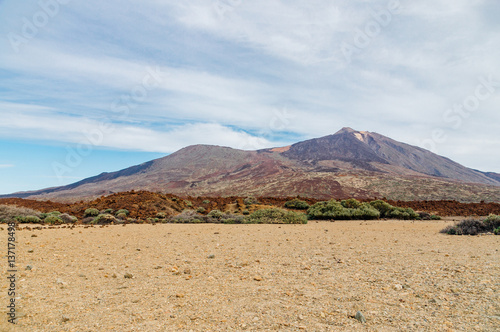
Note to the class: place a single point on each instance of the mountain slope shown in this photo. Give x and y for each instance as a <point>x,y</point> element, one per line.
<point>348,163</point>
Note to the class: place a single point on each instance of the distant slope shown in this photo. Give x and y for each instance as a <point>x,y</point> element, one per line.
<point>348,163</point>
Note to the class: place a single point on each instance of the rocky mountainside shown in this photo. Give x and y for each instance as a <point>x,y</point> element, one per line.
<point>348,163</point>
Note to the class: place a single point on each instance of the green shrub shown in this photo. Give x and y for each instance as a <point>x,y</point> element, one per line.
<point>102,219</point>
<point>52,220</point>
<point>492,222</point>
<point>335,210</point>
<point>435,217</point>
<point>276,216</point>
<point>201,209</point>
<point>216,214</point>
<point>54,213</point>
<point>124,211</point>
<point>91,212</point>
<point>497,231</point>
<point>206,201</point>
<point>297,204</point>
<point>388,211</point>
<point>185,217</point>
<point>250,200</point>
<point>107,211</point>
<point>188,203</point>
<point>351,203</point>
<point>246,212</point>
<point>121,216</point>
<point>382,207</point>
<point>28,219</point>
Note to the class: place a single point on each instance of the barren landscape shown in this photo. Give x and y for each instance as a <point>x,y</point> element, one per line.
<point>402,275</point>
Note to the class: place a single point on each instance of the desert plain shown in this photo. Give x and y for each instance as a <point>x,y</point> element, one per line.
<point>401,275</point>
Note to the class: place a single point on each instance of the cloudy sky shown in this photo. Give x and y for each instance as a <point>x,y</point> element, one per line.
<point>94,86</point>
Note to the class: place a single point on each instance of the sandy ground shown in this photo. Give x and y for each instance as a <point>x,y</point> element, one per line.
<point>401,275</point>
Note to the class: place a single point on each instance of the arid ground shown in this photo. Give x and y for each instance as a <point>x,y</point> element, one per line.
<point>401,275</point>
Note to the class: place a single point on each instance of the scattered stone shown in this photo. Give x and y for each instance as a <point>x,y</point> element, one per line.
<point>81,275</point>
<point>179,295</point>
<point>257,278</point>
<point>59,281</point>
<point>187,271</point>
<point>211,256</point>
<point>128,276</point>
<point>398,287</point>
<point>158,267</point>
<point>29,267</point>
<point>301,317</point>
<point>34,235</point>
<point>30,250</point>
<point>360,317</point>
<point>65,318</point>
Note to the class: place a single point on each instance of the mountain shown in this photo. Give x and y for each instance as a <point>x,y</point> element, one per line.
<point>348,163</point>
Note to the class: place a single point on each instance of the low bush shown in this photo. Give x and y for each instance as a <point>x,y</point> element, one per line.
<point>335,210</point>
<point>107,211</point>
<point>497,231</point>
<point>28,219</point>
<point>122,211</point>
<point>245,212</point>
<point>388,211</point>
<point>103,219</point>
<point>68,219</point>
<point>10,212</point>
<point>186,217</point>
<point>297,204</point>
<point>201,209</point>
<point>53,220</point>
<point>250,200</point>
<point>474,226</point>
<point>206,201</point>
<point>492,222</point>
<point>161,215</point>
<point>121,216</point>
<point>351,203</point>
<point>276,216</point>
<point>434,217</point>
<point>91,212</point>
<point>216,214</point>
<point>188,203</point>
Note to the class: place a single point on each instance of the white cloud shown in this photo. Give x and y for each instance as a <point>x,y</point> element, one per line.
<point>6,165</point>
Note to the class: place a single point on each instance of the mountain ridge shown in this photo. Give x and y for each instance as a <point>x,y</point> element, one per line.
<point>348,163</point>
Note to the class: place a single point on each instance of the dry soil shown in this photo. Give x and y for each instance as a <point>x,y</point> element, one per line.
<point>401,275</point>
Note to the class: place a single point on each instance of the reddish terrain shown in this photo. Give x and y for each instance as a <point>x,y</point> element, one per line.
<point>143,204</point>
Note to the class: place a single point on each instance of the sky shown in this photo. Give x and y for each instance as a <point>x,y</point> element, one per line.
<point>96,86</point>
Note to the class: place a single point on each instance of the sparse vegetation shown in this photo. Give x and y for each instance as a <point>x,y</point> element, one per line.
<point>107,211</point>
<point>250,200</point>
<point>474,226</point>
<point>10,212</point>
<point>351,203</point>
<point>28,219</point>
<point>53,220</point>
<point>122,211</point>
<point>388,211</point>
<point>335,210</point>
<point>297,204</point>
<point>201,209</point>
<point>103,219</point>
<point>91,212</point>
<point>206,201</point>
<point>276,216</point>
<point>188,203</point>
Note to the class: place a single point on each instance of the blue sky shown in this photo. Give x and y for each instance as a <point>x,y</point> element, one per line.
<point>88,87</point>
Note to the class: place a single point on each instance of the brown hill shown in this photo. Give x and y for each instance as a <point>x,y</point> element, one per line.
<point>347,164</point>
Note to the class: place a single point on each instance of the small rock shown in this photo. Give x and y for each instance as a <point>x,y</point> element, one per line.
<point>187,271</point>
<point>158,267</point>
<point>301,317</point>
<point>34,235</point>
<point>128,276</point>
<point>257,278</point>
<point>211,256</point>
<point>65,318</point>
<point>30,250</point>
<point>81,275</point>
<point>29,267</point>
<point>360,317</point>
<point>398,287</point>
<point>59,281</point>
<point>180,295</point>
